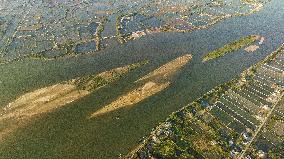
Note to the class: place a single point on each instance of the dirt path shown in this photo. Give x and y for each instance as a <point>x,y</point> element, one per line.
<point>241,156</point>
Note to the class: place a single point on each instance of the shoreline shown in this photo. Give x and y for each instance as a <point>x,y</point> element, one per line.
<point>239,81</point>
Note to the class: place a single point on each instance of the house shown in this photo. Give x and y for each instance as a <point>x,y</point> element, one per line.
<point>138,34</point>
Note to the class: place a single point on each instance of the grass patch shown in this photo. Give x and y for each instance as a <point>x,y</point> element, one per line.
<point>233,46</point>
<point>93,82</point>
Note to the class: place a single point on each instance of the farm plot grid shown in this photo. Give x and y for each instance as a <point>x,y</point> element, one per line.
<point>243,118</point>
<point>50,29</point>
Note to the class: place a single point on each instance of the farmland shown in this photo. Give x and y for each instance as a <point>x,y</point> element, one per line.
<point>91,79</point>
<point>233,120</point>
<point>55,29</point>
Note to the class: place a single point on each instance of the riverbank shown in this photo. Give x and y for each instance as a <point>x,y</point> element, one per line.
<point>217,125</point>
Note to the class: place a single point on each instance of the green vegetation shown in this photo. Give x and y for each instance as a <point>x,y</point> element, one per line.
<point>234,46</point>
<point>93,82</point>
<point>36,56</point>
<point>166,149</point>
<point>249,1</point>
<point>100,29</point>
<point>196,130</point>
<point>276,153</point>
<point>118,28</point>
<point>1,60</point>
<point>203,141</point>
<point>184,142</point>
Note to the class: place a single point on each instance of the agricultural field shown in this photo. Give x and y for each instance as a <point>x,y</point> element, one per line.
<point>239,119</point>
<point>159,79</point>
<point>53,29</point>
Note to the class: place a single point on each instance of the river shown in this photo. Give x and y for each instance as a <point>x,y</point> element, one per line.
<point>66,133</point>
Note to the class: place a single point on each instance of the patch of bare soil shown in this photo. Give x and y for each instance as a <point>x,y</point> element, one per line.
<point>44,100</point>
<point>154,82</point>
<point>168,69</point>
<point>133,97</point>
<point>262,39</point>
<point>93,82</point>
<point>6,131</point>
<point>279,129</point>
<point>280,106</point>
<point>251,48</point>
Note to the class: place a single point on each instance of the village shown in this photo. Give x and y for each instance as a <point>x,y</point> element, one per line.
<point>88,27</point>
<point>239,119</point>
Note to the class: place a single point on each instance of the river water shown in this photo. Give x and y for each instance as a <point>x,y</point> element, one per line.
<point>66,133</point>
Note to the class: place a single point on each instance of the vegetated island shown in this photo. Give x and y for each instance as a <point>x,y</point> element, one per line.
<point>47,99</point>
<point>149,85</point>
<point>231,47</point>
<point>230,121</point>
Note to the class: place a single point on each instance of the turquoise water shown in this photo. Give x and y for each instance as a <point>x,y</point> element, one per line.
<point>66,133</point>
